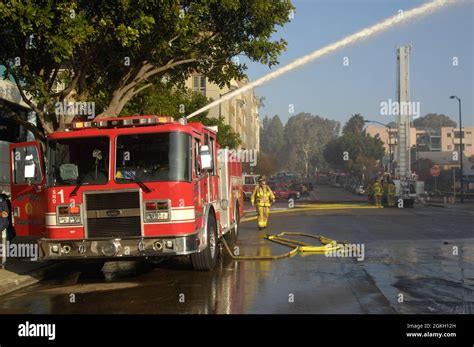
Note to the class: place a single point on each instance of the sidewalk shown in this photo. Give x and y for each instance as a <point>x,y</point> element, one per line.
<point>19,273</point>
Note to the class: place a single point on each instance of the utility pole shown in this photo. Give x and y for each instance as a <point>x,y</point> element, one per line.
<point>460,146</point>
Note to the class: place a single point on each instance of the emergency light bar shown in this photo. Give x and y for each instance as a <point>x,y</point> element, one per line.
<point>121,122</point>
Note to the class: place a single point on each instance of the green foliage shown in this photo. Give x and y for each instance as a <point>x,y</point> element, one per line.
<point>298,145</point>
<point>164,99</point>
<point>434,121</point>
<point>272,137</point>
<point>112,49</point>
<point>355,125</point>
<point>354,151</point>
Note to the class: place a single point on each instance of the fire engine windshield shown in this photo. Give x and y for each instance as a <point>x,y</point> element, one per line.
<point>73,161</point>
<point>153,157</point>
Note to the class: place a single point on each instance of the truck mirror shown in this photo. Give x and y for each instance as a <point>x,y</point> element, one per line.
<point>29,170</point>
<point>206,158</point>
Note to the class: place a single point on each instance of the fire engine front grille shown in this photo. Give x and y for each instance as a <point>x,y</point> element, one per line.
<point>113,214</point>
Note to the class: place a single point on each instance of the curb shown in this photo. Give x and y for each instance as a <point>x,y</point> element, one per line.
<point>435,205</point>
<point>19,281</point>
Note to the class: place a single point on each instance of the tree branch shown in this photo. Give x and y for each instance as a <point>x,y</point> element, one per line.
<point>167,67</point>
<point>63,93</point>
<point>22,93</point>
<point>122,95</point>
<point>52,79</point>
<point>135,92</point>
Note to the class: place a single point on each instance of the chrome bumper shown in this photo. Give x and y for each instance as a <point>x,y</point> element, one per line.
<point>117,248</point>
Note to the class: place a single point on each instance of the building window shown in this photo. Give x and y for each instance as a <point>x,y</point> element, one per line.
<point>448,134</point>
<point>450,147</point>
<point>468,132</point>
<point>199,84</point>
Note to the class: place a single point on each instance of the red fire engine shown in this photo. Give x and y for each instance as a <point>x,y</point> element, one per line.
<point>141,186</point>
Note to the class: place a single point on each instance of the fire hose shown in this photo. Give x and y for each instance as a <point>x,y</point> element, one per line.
<point>328,245</point>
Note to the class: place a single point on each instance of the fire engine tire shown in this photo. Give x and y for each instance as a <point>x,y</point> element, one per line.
<point>234,233</point>
<point>206,259</point>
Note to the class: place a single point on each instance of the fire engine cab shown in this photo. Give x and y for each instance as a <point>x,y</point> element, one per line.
<point>141,186</point>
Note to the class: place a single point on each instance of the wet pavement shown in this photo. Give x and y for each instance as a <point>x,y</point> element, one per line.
<point>415,261</point>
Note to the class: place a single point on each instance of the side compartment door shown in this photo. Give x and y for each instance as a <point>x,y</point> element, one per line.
<point>27,188</point>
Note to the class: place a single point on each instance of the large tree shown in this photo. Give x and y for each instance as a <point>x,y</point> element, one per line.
<point>107,51</point>
<point>165,99</point>
<point>354,153</point>
<point>355,125</point>
<point>272,135</point>
<point>433,121</point>
<point>305,138</point>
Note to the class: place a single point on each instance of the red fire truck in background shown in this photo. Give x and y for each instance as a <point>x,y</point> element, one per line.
<point>141,186</point>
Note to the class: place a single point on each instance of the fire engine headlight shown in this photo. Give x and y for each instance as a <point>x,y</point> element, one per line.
<point>63,220</point>
<point>156,211</point>
<point>70,220</point>
<point>69,214</point>
<point>156,216</point>
<point>162,215</point>
<point>151,216</point>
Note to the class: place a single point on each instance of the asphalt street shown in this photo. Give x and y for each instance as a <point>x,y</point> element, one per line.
<point>418,260</point>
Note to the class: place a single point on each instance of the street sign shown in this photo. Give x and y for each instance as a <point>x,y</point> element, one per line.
<point>435,171</point>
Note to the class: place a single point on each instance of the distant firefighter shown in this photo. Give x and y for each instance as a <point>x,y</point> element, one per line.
<point>264,197</point>
<point>378,193</point>
<point>389,191</point>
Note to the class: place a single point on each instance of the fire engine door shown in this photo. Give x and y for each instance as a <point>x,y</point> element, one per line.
<point>27,188</point>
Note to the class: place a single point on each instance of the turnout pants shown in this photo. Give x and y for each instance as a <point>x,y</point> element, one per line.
<point>262,215</point>
<point>391,200</point>
<point>378,200</point>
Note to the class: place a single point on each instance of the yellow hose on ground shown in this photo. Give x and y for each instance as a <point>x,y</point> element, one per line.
<point>298,246</point>
<point>328,245</point>
<point>299,208</point>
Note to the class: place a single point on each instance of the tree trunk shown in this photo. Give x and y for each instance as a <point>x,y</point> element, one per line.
<point>129,85</point>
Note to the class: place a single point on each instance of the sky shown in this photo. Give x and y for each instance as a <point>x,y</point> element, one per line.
<point>327,88</point>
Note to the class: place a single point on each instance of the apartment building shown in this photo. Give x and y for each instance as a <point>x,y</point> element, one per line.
<point>240,112</point>
<point>445,139</point>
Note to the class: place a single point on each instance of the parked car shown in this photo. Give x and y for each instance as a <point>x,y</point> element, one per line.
<point>285,192</point>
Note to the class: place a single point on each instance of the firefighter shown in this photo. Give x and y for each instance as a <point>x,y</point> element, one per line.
<point>378,193</point>
<point>4,213</point>
<point>389,190</point>
<point>370,191</point>
<point>263,196</point>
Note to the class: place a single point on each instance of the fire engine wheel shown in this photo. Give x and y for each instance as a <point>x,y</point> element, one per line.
<point>206,259</point>
<point>235,230</point>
